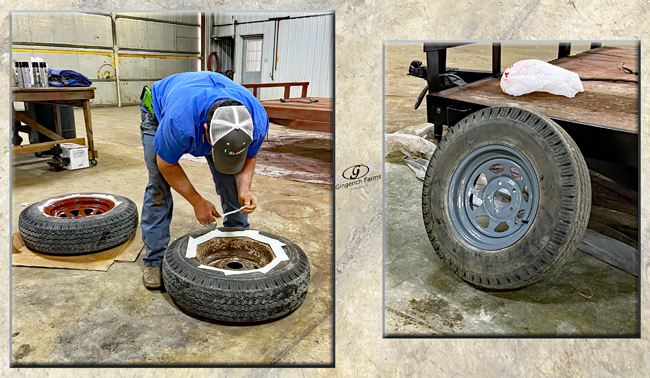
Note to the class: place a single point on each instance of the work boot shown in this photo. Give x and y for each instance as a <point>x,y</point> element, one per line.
<point>152,277</point>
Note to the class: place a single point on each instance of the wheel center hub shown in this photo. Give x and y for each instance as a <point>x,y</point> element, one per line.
<point>503,198</point>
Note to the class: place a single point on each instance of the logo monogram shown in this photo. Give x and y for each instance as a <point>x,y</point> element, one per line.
<point>355,172</point>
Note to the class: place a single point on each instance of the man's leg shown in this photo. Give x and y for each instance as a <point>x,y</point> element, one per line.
<point>158,205</point>
<point>227,190</point>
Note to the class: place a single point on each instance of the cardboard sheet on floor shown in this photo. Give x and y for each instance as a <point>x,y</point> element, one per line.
<point>128,251</point>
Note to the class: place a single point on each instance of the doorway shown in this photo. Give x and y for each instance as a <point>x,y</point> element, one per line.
<point>252,60</point>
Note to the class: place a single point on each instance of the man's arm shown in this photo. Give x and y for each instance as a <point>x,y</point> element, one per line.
<point>243,180</point>
<point>177,179</point>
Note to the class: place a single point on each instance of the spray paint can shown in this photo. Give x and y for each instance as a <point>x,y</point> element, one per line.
<point>27,77</point>
<point>36,74</point>
<point>19,75</point>
<point>45,82</point>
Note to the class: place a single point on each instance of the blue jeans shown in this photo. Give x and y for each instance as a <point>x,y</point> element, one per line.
<point>158,204</point>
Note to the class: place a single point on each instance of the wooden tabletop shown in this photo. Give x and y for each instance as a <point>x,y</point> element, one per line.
<point>300,108</point>
<point>52,94</point>
<point>301,113</point>
<point>607,104</point>
<point>51,89</point>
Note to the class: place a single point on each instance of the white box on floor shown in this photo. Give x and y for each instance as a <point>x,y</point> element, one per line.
<point>77,154</point>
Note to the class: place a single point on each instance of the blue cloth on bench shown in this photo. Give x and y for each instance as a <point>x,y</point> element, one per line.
<point>67,78</point>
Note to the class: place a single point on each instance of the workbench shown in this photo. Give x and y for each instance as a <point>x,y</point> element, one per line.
<point>302,113</point>
<point>57,96</point>
<point>610,99</point>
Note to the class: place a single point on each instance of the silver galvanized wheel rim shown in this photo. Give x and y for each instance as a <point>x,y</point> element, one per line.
<point>493,197</point>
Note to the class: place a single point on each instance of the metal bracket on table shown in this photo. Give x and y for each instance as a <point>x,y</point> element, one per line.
<point>441,111</point>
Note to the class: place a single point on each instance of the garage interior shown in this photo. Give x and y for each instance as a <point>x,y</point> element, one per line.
<point>85,317</point>
<point>423,297</point>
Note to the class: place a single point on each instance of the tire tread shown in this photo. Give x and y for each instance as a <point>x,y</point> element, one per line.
<point>57,236</point>
<point>246,298</point>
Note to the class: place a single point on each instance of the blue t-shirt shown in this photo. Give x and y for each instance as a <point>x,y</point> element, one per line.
<point>181,102</point>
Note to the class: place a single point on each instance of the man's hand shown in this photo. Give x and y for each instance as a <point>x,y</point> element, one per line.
<point>205,212</point>
<point>243,180</point>
<point>175,176</point>
<point>248,199</point>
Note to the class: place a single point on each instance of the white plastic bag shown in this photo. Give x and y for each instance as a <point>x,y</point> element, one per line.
<point>533,75</point>
<point>418,165</point>
<point>409,145</point>
<point>411,141</point>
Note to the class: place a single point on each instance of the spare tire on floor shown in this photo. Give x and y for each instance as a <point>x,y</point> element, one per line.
<point>232,278</point>
<point>506,198</point>
<point>78,223</point>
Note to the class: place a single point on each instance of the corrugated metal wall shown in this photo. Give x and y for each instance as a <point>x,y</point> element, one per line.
<point>150,46</point>
<point>304,48</point>
<point>224,49</point>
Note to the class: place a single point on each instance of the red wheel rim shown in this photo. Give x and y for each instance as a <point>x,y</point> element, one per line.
<point>78,207</point>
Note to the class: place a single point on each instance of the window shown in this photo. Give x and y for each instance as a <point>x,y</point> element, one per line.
<point>254,55</point>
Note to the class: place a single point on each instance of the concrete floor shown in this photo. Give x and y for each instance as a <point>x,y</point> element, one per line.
<point>423,297</point>
<point>87,318</point>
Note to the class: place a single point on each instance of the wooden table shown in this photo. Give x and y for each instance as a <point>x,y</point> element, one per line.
<point>57,96</point>
<point>604,103</point>
<point>301,113</point>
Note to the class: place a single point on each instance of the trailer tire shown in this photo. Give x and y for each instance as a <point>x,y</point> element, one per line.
<point>239,299</point>
<point>61,233</point>
<point>539,153</point>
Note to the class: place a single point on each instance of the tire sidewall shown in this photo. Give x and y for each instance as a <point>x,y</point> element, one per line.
<point>238,298</point>
<point>469,135</point>
<point>51,229</point>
